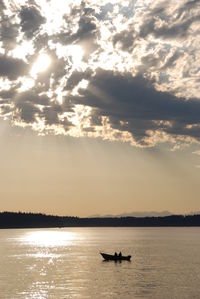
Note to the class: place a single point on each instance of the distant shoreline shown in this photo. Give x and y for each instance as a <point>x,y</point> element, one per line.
<point>37,220</point>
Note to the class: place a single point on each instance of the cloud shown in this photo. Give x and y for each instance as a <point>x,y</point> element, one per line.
<point>31,20</point>
<point>11,67</point>
<point>86,34</point>
<point>8,32</point>
<point>133,104</point>
<point>170,21</point>
<point>120,70</point>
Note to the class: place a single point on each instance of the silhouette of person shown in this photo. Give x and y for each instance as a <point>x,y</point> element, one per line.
<point>115,254</point>
<point>120,254</point>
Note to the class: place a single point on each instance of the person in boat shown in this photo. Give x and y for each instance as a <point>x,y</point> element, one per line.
<point>115,254</point>
<point>120,254</point>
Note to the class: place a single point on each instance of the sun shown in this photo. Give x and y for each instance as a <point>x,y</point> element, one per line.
<point>41,64</point>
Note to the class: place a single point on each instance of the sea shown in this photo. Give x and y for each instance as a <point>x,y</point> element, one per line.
<point>65,263</point>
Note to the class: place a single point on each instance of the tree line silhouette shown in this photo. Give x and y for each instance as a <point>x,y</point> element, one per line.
<point>38,220</point>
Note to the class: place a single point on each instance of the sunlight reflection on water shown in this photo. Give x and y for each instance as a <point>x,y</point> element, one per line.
<point>65,263</point>
<point>49,238</point>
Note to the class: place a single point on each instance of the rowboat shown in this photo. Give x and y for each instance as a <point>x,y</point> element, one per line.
<point>113,257</point>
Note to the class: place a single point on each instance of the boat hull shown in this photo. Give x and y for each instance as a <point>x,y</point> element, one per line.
<point>110,257</point>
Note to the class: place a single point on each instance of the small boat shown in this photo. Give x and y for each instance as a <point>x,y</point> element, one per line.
<point>113,257</point>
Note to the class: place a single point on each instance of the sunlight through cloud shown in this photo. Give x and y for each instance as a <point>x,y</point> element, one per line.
<point>41,65</point>
<point>82,61</point>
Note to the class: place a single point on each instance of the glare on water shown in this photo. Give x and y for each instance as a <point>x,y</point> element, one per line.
<point>65,263</point>
<point>49,238</point>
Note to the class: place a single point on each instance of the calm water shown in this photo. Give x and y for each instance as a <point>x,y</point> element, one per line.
<point>65,263</point>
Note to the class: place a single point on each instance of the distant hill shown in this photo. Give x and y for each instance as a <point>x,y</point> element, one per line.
<point>135,214</point>
<point>31,220</point>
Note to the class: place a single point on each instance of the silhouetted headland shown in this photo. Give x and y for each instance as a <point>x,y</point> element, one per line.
<point>37,220</point>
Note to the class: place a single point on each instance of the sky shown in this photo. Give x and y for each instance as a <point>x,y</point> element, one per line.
<point>99,106</point>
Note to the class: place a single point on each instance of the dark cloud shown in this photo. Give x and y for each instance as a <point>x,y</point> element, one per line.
<point>76,78</point>
<point>2,5</point>
<point>30,105</point>
<point>41,42</point>
<point>31,96</point>
<point>166,22</point>
<point>133,104</point>
<point>87,25</point>
<point>31,20</point>
<point>8,32</point>
<point>125,39</point>
<point>26,105</point>
<point>11,67</point>
<point>27,111</point>
<point>51,117</point>
<point>87,31</point>
<point>86,28</point>
<point>7,94</point>
<point>50,114</point>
